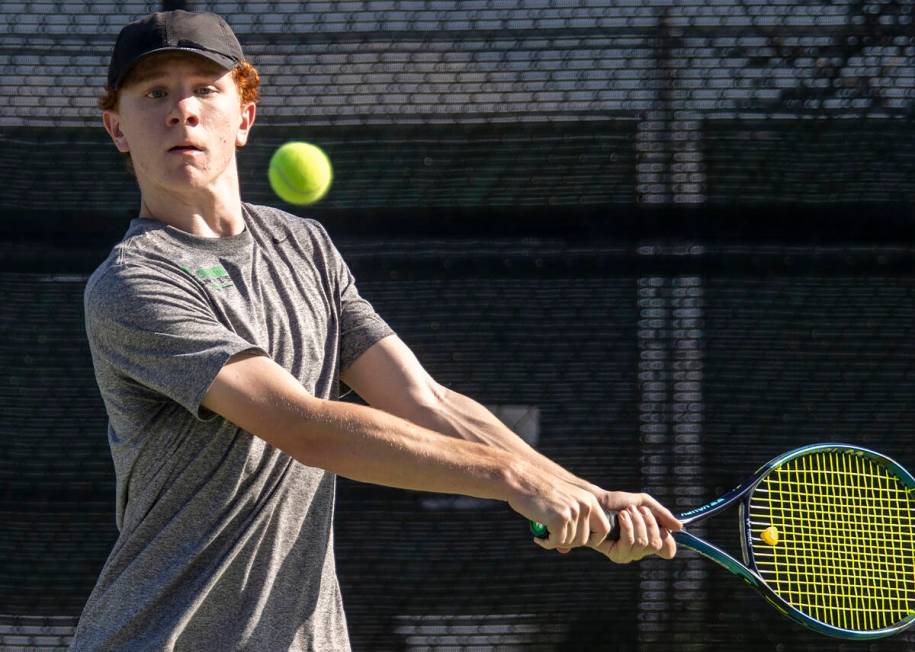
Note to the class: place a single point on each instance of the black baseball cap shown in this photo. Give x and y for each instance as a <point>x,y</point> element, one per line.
<point>200,33</point>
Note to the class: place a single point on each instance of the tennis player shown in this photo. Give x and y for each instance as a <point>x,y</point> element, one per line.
<point>219,333</point>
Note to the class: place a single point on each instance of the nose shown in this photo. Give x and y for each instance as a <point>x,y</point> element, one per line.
<point>186,111</point>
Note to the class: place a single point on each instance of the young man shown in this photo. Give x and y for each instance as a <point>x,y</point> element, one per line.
<point>219,332</point>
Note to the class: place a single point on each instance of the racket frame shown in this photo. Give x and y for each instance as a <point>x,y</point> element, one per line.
<point>747,570</point>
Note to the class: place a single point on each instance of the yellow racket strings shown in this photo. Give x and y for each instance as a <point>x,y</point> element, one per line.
<point>845,553</point>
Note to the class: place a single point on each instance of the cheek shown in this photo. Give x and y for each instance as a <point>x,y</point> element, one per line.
<point>140,131</point>
<point>224,125</point>
<point>133,138</point>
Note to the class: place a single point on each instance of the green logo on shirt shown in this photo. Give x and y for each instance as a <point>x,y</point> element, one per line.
<point>215,277</point>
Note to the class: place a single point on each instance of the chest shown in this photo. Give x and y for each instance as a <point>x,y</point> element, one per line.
<point>286,304</point>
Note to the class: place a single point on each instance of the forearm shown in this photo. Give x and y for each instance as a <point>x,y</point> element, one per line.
<point>361,443</point>
<point>389,377</point>
<point>369,445</point>
<point>461,417</point>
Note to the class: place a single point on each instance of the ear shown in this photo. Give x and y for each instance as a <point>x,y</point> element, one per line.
<point>112,122</point>
<point>248,112</point>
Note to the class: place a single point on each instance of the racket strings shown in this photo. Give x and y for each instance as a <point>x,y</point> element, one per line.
<point>846,546</point>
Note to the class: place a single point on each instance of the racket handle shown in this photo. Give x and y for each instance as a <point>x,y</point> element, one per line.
<point>539,529</point>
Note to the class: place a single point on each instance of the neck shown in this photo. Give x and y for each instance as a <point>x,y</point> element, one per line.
<point>213,212</point>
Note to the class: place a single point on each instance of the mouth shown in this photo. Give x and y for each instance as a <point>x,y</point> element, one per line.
<point>185,149</point>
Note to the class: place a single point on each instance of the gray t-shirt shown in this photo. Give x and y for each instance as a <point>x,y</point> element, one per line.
<point>225,542</point>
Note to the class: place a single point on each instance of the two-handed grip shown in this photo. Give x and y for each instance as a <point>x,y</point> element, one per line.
<point>539,529</point>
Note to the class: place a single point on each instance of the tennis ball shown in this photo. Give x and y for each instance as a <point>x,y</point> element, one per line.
<point>300,173</point>
<point>770,535</point>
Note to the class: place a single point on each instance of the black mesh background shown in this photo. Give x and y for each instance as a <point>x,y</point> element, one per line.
<point>673,239</point>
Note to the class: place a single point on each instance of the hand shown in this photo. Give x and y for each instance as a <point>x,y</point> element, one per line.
<point>572,513</point>
<point>645,527</point>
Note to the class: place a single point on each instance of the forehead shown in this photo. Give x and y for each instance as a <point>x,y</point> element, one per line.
<point>159,65</point>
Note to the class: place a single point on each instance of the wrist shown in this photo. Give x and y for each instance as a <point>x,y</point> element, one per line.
<point>514,480</point>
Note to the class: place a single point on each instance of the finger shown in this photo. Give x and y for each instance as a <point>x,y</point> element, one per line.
<point>553,538</point>
<point>663,515</point>
<point>600,527</point>
<point>603,545</point>
<point>552,542</point>
<point>564,551</point>
<point>621,549</point>
<point>570,530</point>
<point>627,529</point>
<point>668,546</point>
<point>555,535</point>
<point>654,532</point>
<point>583,529</point>
<point>559,539</point>
<point>640,529</point>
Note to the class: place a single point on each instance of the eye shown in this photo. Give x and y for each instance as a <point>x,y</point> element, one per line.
<point>206,90</point>
<point>156,94</point>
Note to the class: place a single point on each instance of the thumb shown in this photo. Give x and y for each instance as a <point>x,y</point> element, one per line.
<point>664,516</point>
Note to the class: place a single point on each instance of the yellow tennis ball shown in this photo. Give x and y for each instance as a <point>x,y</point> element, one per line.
<point>300,173</point>
<point>770,535</point>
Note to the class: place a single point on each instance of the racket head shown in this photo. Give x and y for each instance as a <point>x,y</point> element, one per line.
<point>843,557</point>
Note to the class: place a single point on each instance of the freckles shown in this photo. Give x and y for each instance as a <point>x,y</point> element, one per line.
<point>220,124</point>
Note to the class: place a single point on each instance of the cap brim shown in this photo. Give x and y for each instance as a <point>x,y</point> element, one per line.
<point>227,63</point>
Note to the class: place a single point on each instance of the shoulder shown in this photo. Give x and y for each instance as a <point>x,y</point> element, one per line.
<point>272,216</point>
<point>110,288</point>
<point>110,281</point>
<point>133,286</point>
<point>107,295</point>
<point>144,251</point>
<point>282,223</point>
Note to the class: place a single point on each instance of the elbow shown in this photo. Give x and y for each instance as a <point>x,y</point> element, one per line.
<point>424,402</point>
<point>431,395</point>
<point>296,426</point>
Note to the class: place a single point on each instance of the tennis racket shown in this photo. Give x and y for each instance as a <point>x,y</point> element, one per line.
<point>827,536</point>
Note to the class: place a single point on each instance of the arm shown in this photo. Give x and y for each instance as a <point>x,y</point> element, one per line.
<point>391,364</point>
<point>369,445</point>
<point>388,376</point>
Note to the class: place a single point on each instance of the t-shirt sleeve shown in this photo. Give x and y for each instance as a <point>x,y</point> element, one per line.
<point>153,333</point>
<point>360,325</point>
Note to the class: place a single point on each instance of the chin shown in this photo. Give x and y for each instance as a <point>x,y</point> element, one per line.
<point>188,175</point>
